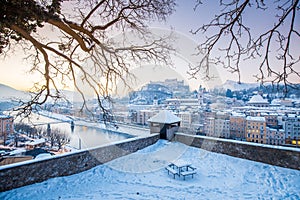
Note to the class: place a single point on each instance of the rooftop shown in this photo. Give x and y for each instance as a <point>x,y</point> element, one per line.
<point>257,99</point>
<point>250,118</point>
<point>164,117</point>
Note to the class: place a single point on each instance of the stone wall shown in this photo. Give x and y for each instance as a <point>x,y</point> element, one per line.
<point>29,172</point>
<point>274,155</point>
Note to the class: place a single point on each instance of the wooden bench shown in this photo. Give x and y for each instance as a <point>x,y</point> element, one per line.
<point>187,173</point>
<point>172,171</point>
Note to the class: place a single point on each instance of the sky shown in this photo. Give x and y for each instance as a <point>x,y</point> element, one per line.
<point>14,69</point>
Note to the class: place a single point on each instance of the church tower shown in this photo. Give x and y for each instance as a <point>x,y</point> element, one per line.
<point>200,96</point>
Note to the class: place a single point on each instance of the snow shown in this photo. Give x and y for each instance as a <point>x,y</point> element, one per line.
<point>35,142</point>
<point>142,175</point>
<point>257,99</point>
<point>243,142</point>
<point>164,116</point>
<point>260,119</point>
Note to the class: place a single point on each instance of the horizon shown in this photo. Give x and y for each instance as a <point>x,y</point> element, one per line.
<point>17,69</point>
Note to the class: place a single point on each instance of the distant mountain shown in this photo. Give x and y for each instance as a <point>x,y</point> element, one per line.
<point>8,93</point>
<point>236,86</point>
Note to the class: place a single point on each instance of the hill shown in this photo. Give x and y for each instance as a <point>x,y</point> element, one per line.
<point>8,93</point>
<point>236,86</point>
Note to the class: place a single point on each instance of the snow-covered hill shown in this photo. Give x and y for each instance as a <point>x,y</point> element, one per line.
<point>8,93</point>
<point>236,86</point>
<point>142,175</point>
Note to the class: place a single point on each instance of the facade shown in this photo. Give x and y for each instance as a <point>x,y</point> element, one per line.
<point>209,126</point>
<point>271,119</point>
<point>186,119</point>
<point>143,116</point>
<point>222,125</point>
<point>6,127</point>
<point>275,136</point>
<point>237,126</point>
<point>256,129</point>
<point>291,126</point>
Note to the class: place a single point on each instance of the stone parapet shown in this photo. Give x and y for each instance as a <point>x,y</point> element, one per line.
<point>33,171</point>
<point>275,155</point>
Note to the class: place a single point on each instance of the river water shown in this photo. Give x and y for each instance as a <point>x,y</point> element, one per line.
<point>85,135</point>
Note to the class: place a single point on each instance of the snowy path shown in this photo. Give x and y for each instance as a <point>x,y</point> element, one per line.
<point>142,176</point>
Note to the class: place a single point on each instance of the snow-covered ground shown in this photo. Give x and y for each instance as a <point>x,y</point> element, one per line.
<point>142,175</point>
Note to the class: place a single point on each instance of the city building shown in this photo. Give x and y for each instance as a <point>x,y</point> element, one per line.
<point>237,126</point>
<point>222,125</point>
<point>178,87</point>
<point>6,127</point>
<point>256,129</point>
<point>271,119</point>
<point>275,136</point>
<point>291,126</point>
<point>258,101</point>
<point>143,116</point>
<point>209,126</point>
<point>186,119</point>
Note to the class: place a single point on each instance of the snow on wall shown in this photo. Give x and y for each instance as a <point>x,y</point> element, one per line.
<point>279,156</point>
<point>21,174</point>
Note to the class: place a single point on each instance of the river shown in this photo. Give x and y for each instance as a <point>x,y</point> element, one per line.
<point>85,134</point>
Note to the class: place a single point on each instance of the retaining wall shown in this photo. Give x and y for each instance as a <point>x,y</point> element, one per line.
<point>274,155</point>
<point>29,172</point>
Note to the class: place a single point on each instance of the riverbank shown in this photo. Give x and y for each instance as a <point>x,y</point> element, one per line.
<point>120,128</point>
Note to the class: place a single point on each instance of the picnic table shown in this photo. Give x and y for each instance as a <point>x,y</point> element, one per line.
<point>181,168</point>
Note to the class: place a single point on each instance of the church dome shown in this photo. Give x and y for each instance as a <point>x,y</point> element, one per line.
<point>258,100</point>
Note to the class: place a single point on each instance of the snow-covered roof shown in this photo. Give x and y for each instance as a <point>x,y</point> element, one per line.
<point>257,99</point>
<point>236,114</point>
<point>261,119</point>
<point>36,142</point>
<point>164,116</point>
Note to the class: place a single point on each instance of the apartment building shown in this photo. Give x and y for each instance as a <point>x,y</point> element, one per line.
<point>271,119</point>
<point>222,125</point>
<point>143,116</point>
<point>275,136</point>
<point>209,126</point>
<point>255,129</point>
<point>6,127</point>
<point>291,126</point>
<point>186,119</point>
<point>237,126</point>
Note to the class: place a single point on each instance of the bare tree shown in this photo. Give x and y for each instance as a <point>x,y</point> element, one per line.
<point>59,138</point>
<point>275,43</point>
<point>82,36</point>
